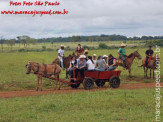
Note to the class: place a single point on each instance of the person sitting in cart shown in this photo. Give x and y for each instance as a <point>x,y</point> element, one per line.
<point>73,63</point>
<point>105,57</point>
<point>81,65</point>
<point>61,55</point>
<point>86,54</point>
<point>112,63</point>
<point>94,58</point>
<point>90,64</point>
<point>101,65</point>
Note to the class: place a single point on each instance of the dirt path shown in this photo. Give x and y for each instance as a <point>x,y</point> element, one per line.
<point>10,94</point>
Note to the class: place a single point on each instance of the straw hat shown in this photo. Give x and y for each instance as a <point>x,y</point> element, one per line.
<point>85,51</point>
<point>94,55</point>
<point>82,56</point>
<point>105,56</point>
<point>62,45</point>
<point>123,45</point>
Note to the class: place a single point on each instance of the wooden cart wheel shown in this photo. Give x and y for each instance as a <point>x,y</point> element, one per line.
<point>114,82</point>
<point>74,86</point>
<point>88,83</point>
<point>100,83</point>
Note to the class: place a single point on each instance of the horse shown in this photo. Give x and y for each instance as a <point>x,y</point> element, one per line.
<point>129,60</point>
<point>43,69</point>
<point>151,66</point>
<point>66,62</point>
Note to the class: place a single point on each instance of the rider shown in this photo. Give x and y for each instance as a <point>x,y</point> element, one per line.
<point>149,53</point>
<point>122,54</point>
<point>112,63</point>
<point>79,50</point>
<point>61,55</point>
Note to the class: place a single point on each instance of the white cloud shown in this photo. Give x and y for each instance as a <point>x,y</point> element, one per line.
<point>87,17</point>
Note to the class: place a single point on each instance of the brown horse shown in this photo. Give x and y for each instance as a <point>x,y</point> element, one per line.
<point>151,66</point>
<point>43,69</point>
<point>66,62</point>
<point>129,60</point>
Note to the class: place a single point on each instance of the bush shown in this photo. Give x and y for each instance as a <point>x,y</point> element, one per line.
<point>102,46</point>
<point>43,48</point>
<point>21,50</point>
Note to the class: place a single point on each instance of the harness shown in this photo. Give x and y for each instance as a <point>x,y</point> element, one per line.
<point>45,71</point>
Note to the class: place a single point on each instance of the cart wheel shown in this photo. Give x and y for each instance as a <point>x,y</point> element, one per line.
<point>100,83</point>
<point>88,83</point>
<point>74,86</point>
<point>114,82</point>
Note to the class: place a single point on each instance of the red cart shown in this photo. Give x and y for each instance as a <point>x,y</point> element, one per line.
<point>98,77</point>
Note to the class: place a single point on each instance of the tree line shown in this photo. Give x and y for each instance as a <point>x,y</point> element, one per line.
<point>26,40</point>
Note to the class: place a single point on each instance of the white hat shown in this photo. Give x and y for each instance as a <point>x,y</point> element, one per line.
<point>82,56</point>
<point>123,45</point>
<point>94,55</point>
<point>105,56</point>
<point>62,45</point>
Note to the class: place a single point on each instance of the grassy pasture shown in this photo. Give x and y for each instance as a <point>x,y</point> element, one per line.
<point>105,106</point>
<point>12,67</point>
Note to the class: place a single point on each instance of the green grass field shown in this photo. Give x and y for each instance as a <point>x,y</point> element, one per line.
<point>12,67</point>
<point>101,106</point>
<point>111,105</point>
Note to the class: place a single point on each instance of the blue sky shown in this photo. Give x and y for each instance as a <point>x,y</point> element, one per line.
<point>86,17</point>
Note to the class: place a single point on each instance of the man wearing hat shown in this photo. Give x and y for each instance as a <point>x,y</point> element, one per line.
<point>61,55</point>
<point>149,54</point>
<point>81,65</point>
<point>122,54</point>
<point>94,58</point>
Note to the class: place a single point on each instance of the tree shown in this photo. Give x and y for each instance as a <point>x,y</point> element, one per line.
<point>24,40</point>
<point>2,41</point>
<point>90,39</point>
<point>10,43</point>
<point>75,38</point>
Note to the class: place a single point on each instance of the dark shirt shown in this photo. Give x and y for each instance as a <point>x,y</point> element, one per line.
<point>149,52</point>
<point>110,61</point>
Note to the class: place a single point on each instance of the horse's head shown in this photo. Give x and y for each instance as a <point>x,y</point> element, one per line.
<point>136,54</point>
<point>28,67</point>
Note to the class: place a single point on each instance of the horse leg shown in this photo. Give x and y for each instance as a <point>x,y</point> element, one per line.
<point>153,74</point>
<point>40,83</point>
<point>150,73</point>
<point>129,70</point>
<point>37,82</point>
<point>144,72</point>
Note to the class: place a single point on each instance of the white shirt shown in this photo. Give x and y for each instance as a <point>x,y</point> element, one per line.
<point>94,61</point>
<point>91,66</point>
<point>61,52</point>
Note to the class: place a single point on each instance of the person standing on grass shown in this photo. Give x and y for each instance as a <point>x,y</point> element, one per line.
<point>79,50</point>
<point>149,54</point>
<point>112,63</point>
<point>61,55</point>
<point>90,63</point>
<point>122,54</point>
<point>94,58</point>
